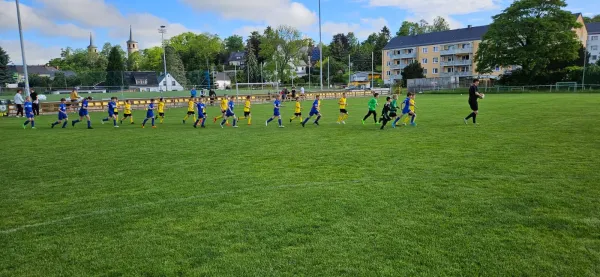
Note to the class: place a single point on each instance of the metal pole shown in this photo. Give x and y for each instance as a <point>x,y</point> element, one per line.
<point>163,30</point>
<point>309,69</point>
<point>372,69</point>
<point>276,76</point>
<point>261,77</point>
<point>349,71</point>
<point>584,66</point>
<point>320,49</point>
<point>328,62</point>
<point>22,50</point>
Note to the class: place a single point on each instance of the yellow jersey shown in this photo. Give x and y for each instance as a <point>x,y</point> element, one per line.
<point>343,103</point>
<point>161,107</point>
<point>411,104</point>
<point>116,109</point>
<point>191,106</point>
<point>127,108</point>
<point>223,104</point>
<point>298,108</point>
<point>74,95</point>
<point>247,105</point>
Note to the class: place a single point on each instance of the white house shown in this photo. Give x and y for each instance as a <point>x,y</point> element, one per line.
<point>148,81</point>
<point>593,42</point>
<point>168,84</point>
<point>222,79</point>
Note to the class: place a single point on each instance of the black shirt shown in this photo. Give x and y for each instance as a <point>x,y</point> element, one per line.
<point>472,96</point>
<point>386,108</point>
<point>34,96</point>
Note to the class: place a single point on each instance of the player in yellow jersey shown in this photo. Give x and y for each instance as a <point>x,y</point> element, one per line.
<point>247,114</point>
<point>297,110</point>
<point>224,108</point>
<point>161,110</point>
<point>127,112</point>
<point>343,102</point>
<point>191,109</point>
<point>408,109</point>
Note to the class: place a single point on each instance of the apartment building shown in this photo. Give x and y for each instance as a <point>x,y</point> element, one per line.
<point>443,54</point>
<point>593,41</point>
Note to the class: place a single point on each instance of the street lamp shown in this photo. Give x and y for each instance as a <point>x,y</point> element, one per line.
<point>163,30</point>
<point>320,48</point>
<point>22,49</point>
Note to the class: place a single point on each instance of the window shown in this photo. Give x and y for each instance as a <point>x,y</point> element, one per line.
<point>424,61</point>
<point>425,50</point>
<point>436,49</point>
<point>424,70</point>
<point>594,37</point>
<point>173,83</point>
<point>436,60</point>
<point>435,71</point>
<point>141,81</point>
<point>497,68</point>
<point>389,63</point>
<point>164,83</point>
<point>594,48</point>
<point>594,57</point>
<point>389,73</point>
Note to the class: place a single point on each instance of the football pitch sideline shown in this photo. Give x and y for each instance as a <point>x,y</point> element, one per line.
<point>517,195</point>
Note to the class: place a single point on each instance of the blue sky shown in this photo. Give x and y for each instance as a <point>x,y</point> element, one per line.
<point>53,24</point>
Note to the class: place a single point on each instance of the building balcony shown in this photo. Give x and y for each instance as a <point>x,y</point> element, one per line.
<point>412,55</point>
<point>454,51</point>
<point>456,62</point>
<point>398,66</point>
<point>456,74</point>
<point>395,77</point>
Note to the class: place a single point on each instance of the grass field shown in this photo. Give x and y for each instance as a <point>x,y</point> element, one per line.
<point>517,195</point>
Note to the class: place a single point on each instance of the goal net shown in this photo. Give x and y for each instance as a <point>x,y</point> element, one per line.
<point>255,88</point>
<point>566,86</point>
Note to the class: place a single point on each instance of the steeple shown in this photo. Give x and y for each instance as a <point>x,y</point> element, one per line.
<point>132,45</point>
<point>92,48</point>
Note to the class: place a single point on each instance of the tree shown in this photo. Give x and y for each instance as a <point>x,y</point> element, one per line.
<point>531,34</point>
<point>281,48</point>
<point>592,19</point>
<point>382,40</point>
<point>422,27</point>
<point>234,43</point>
<point>254,40</point>
<point>5,75</point>
<point>152,59</point>
<point>339,47</point>
<point>252,69</point>
<point>35,80</point>
<point>133,61</point>
<point>408,29</point>
<point>60,80</point>
<point>598,63</point>
<point>115,68</point>
<point>412,71</point>
<point>439,24</point>
<point>197,51</point>
<point>175,65</point>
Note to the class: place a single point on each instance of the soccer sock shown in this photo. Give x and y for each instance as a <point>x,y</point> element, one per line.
<point>405,120</point>
<point>131,119</point>
<point>249,120</point>
<point>345,117</point>
<point>32,124</point>
<point>375,117</point>
<point>279,120</point>
<point>412,118</point>
<point>89,123</point>
<point>114,122</point>
<point>306,120</point>
<point>26,122</point>
<point>65,124</point>
<point>269,120</point>
<point>366,116</point>
<point>223,122</point>
<point>55,123</point>
<point>470,115</point>
<point>474,118</point>
<point>153,122</point>
<point>318,117</point>
<point>145,120</point>
<point>203,120</point>
<point>76,121</point>
<point>293,117</point>
<point>339,118</point>
<point>186,117</point>
<point>162,119</point>
<point>219,117</point>
<point>105,119</point>
<point>234,122</point>
<point>396,121</point>
<point>241,118</point>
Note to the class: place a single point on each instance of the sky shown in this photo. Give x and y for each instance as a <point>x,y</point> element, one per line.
<point>49,25</point>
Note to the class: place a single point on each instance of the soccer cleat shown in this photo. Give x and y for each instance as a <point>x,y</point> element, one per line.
<point>235,126</point>
<point>32,127</point>
<point>102,121</point>
<point>281,126</point>
<point>338,122</point>
<point>343,122</point>
<point>215,120</point>
<point>413,124</point>
<point>227,124</point>
<point>221,125</point>
<point>195,126</point>
<point>466,121</point>
<point>24,126</point>
<point>72,123</point>
<point>153,127</point>
<point>363,122</point>
<point>202,126</point>
<point>132,123</point>
<point>290,121</point>
<point>183,121</point>
<point>143,126</point>
<point>90,128</point>
<point>302,124</point>
<point>266,123</point>
<point>52,126</point>
<point>317,123</point>
<point>116,126</point>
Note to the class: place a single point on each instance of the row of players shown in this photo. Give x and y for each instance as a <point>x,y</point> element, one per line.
<point>389,112</point>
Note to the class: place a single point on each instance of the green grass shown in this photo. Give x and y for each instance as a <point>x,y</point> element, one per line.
<point>517,195</point>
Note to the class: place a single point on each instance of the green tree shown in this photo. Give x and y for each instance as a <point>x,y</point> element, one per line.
<point>134,61</point>
<point>175,65</point>
<point>408,29</point>
<point>35,80</point>
<point>234,43</point>
<point>254,40</point>
<point>422,27</point>
<point>60,80</point>
<point>115,68</point>
<point>252,68</point>
<point>412,71</point>
<point>598,63</point>
<point>531,34</point>
<point>281,48</point>
<point>439,24</point>
<point>152,59</point>
<point>382,40</point>
<point>591,19</point>
<point>197,51</point>
<point>5,74</point>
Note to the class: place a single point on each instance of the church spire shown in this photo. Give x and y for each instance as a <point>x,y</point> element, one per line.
<point>91,40</point>
<point>130,34</point>
<point>91,48</point>
<point>132,45</point>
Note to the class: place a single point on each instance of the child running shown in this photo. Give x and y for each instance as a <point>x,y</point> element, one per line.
<point>201,113</point>
<point>229,113</point>
<point>385,112</point>
<point>315,110</point>
<point>408,110</point>
<point>62,114</point>
<point>112,107</point>
<point>394,109</point>
<point>224,108</point>
<point>276,113</point>
<point>150,114</point>
<point>343,102</point>
<point>127,112</point>
<point>28,105</point>
<point>190,111</point>
<point>83,113</point>
<point>372,109</point>
<point>161,110</point>
<point>247,114</point>
<point>297,110</point>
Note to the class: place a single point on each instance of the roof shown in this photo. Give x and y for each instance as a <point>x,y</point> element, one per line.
<point>237,56</point>
<point>222,76</point>
<point>150,76</point>
<point>458,35</point>
<point>593,28</point>
<point>40,70</point>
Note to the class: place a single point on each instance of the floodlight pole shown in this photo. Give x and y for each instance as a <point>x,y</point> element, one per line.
<point>320,49</point>
<point>584,66</point>
<point>22,49</point>
<point>163,31</point>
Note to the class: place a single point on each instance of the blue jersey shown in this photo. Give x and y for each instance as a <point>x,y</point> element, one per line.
<point>406,104</point>
<point>28,107</point>
<point>111,107</point>
<point>315,106</point>
<point>62,108</point>
<point>200,107</point>
<point>193,93</point>
<point>84,105</point>
<point>150,112</point>
<point>231,105</point>
<point>276,106</point>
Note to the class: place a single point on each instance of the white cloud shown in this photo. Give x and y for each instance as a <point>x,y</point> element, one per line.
<point>438,7</point>
<point>361,30</point>
<point>33,19</point>
<point>90,13</point>
<point>245,31</point>
<point>270,12</point>
<point>34,53</point>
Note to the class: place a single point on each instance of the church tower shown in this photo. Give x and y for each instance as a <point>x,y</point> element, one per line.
<point>92,48</point>
<point>132,46</point>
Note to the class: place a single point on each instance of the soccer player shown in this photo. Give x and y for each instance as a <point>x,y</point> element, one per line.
<point>74,99</point>
<point>474,95</point>
<point>229,113</point>
<point>62,114</point>
<point>112,107</point>
<point>372,109</point>
<point>385,112</point>
<point>408,110</point>
<point>343,102</point>
<point>201,113</point>
<point>315,110</point>
<point>224,108</point>
<point>149,114</point>
<point>394,110</point>
<point>276,113</point>
<point>161,110</point>
<point>297,110</point>
<point>127,112</point>
<point>190,111</point>
<point>247,114</point>
<point>28,105</point>
<point>83,113</point>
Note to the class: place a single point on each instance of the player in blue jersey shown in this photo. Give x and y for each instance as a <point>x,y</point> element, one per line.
<point>229,113</point>
<point>276,113</point>
<point>83,112</point>
<point>149,114</point>
<point>28,105</point>
<point>62,114</point>
<point>408,110</point>
<point>113,113</point>
<point>201,113</point>
<point>314,110</point>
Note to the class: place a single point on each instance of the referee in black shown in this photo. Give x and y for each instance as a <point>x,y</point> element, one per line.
<point>474,95</point>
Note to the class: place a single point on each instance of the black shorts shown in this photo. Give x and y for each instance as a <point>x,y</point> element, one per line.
<point>161,114</point>
<point>246,114</point>
<point>343,111</point>
<point>74,100</point>
<point>474,105</point>
<point>392,114</point>
<point>191,113</point>
<point>223,111</point>
<point>298,114</point>
<point>116,113</point>
<point>126,115</point>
